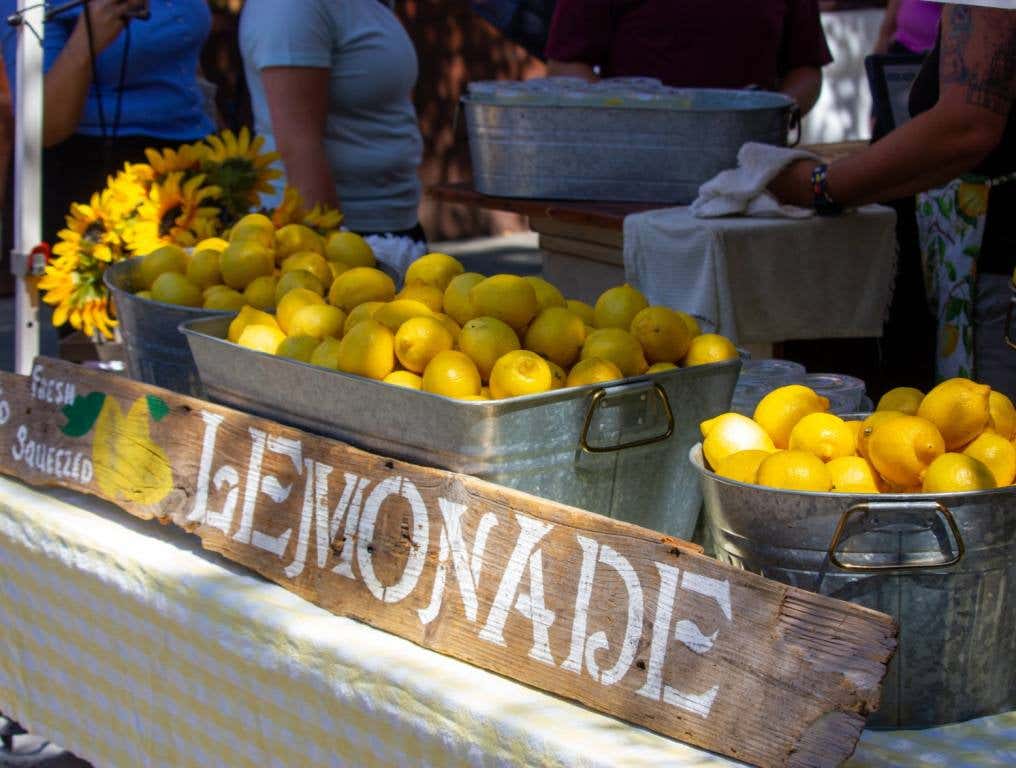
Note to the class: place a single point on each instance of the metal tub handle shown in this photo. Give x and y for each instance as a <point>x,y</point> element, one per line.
<point>602,395</point>
<point>794,124</point>
<point>928,513</point>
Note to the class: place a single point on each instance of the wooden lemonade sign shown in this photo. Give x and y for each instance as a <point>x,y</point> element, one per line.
<point>624,620</point>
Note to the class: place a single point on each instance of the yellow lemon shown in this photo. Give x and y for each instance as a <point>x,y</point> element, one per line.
<point>368,350</point>
<point>360,284</point>
<point>395,313</point>
<point>203,268</point>
<point>1002,415</point>
<point>868,427</point>
<point>854,474</point>
<point>298,348</point>
<point>616,307</point>
<point>317,321</point>
<point>453,328</point>
<point>425,294</point>
<point>294,238</point>
<point>452,374</point>
<point>260,292</point>
<point>901,449</point>
<point>360,313</point>
<point>168,258</point>
<point>546,294</point>
<point>436,269</point>
<point>484,340</point>
<point>730,433</point>
<point>663,335</point>
<point>557,334</point>
<point>520,373</point>
<point>349,248</point>
<point>254,228</point>
<point>959,408</point>
<point>297,278</point>
<point>241,262</point>
<point>997,454</point>
<point>456,301</point>
<point>558,376</point>
<point>216,244</point>
<point>249,316</point>
<point>337,268</point>
<point>618,346</point>
<point>957,472</point>
<point>418,340</point>
<point>855,429</point>
<point>147,295</point>
<point>903,399</point>
<point>312,262</point>
<point>509,298</point>
<point>583,310</point>
<point>794,471</point>
<point>690,322</point>
<point>592,370</point>
<point>742,466</point>
<point>824,434</point>
<point>972,199</point>
<point>225,299</point>
<point>261,338</point>
<point>661,367</point>
<point>781,409</point>
<point>174,288</point>
<point>326,354</point>
<point>294,300</point>
<point>404,379</point>
<point>709,348</point>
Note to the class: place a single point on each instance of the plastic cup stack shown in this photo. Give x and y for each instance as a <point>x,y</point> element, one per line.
<point>845,393</point>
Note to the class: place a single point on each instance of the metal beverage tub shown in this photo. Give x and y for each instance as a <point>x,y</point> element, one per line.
<point>944,566</point>
<point>647,153</point>
<point>154,350</point>
<point>618,450</point>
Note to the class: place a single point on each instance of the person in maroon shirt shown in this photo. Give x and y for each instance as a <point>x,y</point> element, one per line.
<point>776,45</point>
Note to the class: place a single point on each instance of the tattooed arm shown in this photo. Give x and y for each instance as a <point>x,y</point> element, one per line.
<point>977,89</point>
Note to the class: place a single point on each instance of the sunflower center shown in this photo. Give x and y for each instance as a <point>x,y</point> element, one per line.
<point>93,232</point>
<point>168,220</point>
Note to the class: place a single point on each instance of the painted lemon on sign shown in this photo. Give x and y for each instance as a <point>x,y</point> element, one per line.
<point>128,463</point>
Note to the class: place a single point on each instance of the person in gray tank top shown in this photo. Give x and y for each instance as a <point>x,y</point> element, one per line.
<point>331,86</point>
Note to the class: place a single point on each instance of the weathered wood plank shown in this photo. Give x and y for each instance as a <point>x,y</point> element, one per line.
<point>624,620</point>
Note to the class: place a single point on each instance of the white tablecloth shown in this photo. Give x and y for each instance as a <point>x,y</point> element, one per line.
<point>124,642</point>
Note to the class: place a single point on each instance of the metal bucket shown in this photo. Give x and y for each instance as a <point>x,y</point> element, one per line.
<point>944,566</point>
<point>618,450</point>
<point>608,153</point>
<point>154,349</point>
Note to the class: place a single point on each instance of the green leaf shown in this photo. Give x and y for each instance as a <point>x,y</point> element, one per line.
<point>953,309</point>
<point>973,251</point>
<point>950,270</point>
<point>157,407</point>
<point>82,413</point>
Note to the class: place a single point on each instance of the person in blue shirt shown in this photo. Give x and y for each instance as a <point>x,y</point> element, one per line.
<point>141,90</point>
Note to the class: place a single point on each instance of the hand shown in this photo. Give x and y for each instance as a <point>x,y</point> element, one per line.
<point>108,19</point>
<point>793,184</point>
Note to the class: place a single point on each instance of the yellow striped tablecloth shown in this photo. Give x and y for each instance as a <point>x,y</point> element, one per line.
<point>124,642</point>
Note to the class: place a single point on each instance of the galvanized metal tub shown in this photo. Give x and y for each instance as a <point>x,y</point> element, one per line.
<point>618,450</point>
<point>154,349</point>
<point>611,153</point>
<point>944,566</point>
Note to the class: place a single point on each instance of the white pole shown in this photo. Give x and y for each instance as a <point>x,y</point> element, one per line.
<point>28,183</point>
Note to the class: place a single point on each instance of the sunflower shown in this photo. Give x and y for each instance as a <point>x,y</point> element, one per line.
<point>74,286</point>
<point>173,213</point>
<point>187,158</point>
<point>126,191</point>
<point>91,230</point>
<point>236,164</point>
<point>321,218</point>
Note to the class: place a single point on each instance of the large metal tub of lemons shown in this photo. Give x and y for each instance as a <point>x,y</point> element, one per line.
<point>941,562</point>
<point>456,373</point>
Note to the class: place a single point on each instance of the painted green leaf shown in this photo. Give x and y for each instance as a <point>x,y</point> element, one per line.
<point>157,407</point>
<point>973,251</point>
<point>82,413</point>
<point>953,309</point>
<point>950,270</point>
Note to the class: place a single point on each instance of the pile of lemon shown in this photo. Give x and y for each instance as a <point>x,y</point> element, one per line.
<point>451,332</point>
<point>960,436</point>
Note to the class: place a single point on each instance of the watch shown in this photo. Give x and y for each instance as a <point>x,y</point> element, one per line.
<point>823,203</point>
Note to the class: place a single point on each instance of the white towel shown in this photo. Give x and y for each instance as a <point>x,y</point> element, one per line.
<point>742,190</point>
